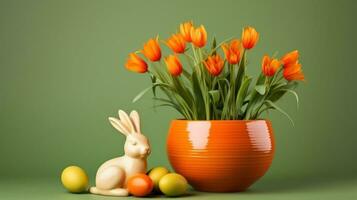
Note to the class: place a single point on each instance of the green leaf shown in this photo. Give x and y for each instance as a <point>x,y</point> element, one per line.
<point>295,95</point>
<point>214,46</point>
<point>277,86</point>
<point>285,85</point>
<point>241,72</point>
<point>153,81</point>
<point>223,93</point>
<point>170,105</point>
<point>198,95</point>
<point>225,80</point>
<point>260,89</point>
<point>261,79</point>
<point>165,100</point>
<point>255,106</point>
<point>186,74</point>
<point>219,45</point>
<point>183,91</point>
<point>242,93</point>
<point>215,96</point>
<point>143,92</point>
<point>263,110</point>
<point>273,105</point>
<point>276,95</point>
<point>226,106</point>
<point>278,91</point>
<point>184,106</point>
<point>254,100</point>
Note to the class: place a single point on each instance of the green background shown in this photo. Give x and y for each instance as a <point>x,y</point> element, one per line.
<point>62,75</point>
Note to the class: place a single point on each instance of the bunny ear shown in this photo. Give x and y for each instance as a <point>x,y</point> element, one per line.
<point>119,126</point>
<point>134,116</point>
<point>125,119</point>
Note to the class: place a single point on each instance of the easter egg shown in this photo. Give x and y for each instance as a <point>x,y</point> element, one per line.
<point>140,185</point>
<point>74,179</point>
<point>156,174</point>
<point>173,184</point>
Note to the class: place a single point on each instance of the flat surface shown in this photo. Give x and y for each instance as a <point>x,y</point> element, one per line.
<point>317,189</point>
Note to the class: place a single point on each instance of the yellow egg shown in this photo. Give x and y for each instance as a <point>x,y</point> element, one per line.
<point>173,184</point>
<point>74,179</point>
<point>156,174</point>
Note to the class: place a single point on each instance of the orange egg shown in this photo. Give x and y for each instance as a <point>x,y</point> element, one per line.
<point>140,185</point>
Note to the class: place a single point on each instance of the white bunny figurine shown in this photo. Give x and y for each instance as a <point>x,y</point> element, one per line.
<point>112,176</point>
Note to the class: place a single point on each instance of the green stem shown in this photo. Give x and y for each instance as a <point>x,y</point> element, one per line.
<point>186,74</point>
<point>189,60</point>
<point>196,59</point>
<point>232,88</point>
<point>189,56</point>
<point>268,82</point>
<point>241,70</point>
<point>253,100</point>
<point>273,81</point>
<point>204,86</point>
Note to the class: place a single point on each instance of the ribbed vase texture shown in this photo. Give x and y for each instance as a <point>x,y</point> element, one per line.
<point>221,155</point>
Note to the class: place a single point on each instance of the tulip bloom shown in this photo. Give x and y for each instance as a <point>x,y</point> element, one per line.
<point>173,65</point>
<point>185,30</point>
<point>293,72</point>
<point>152,50</point>
<point>290,58</point>
<point>136,64</point>
<point>249,37</point>
<point>269,66</point>
<point>199,36</point>
<point>176,43</point>
<point>214,64</point>
<point>232,51</point>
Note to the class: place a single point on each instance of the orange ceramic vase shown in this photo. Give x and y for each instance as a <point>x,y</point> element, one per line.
<point>221,155</point>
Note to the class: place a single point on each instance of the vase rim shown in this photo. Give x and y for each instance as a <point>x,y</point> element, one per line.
<point>220,120</point>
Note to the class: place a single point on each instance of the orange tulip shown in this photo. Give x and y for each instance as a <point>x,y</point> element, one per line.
<point>293,72</point>
<point>269,66</point>
<point>214,64</point>
<point>176,43</point>
<point>173,65</point>
<point>152,50</point>
<point>290,58</point>
<point>199,36</point>
<point>249,37</point>
<point>185,30</point>
<point>136,64</point>
<point>232,51</point>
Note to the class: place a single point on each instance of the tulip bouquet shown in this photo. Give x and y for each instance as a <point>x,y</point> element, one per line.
<point>201,84</point>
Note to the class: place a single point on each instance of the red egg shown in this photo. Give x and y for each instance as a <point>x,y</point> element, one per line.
<point>140,185</point>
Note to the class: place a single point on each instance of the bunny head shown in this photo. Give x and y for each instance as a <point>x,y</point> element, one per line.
<point>136,144</point>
